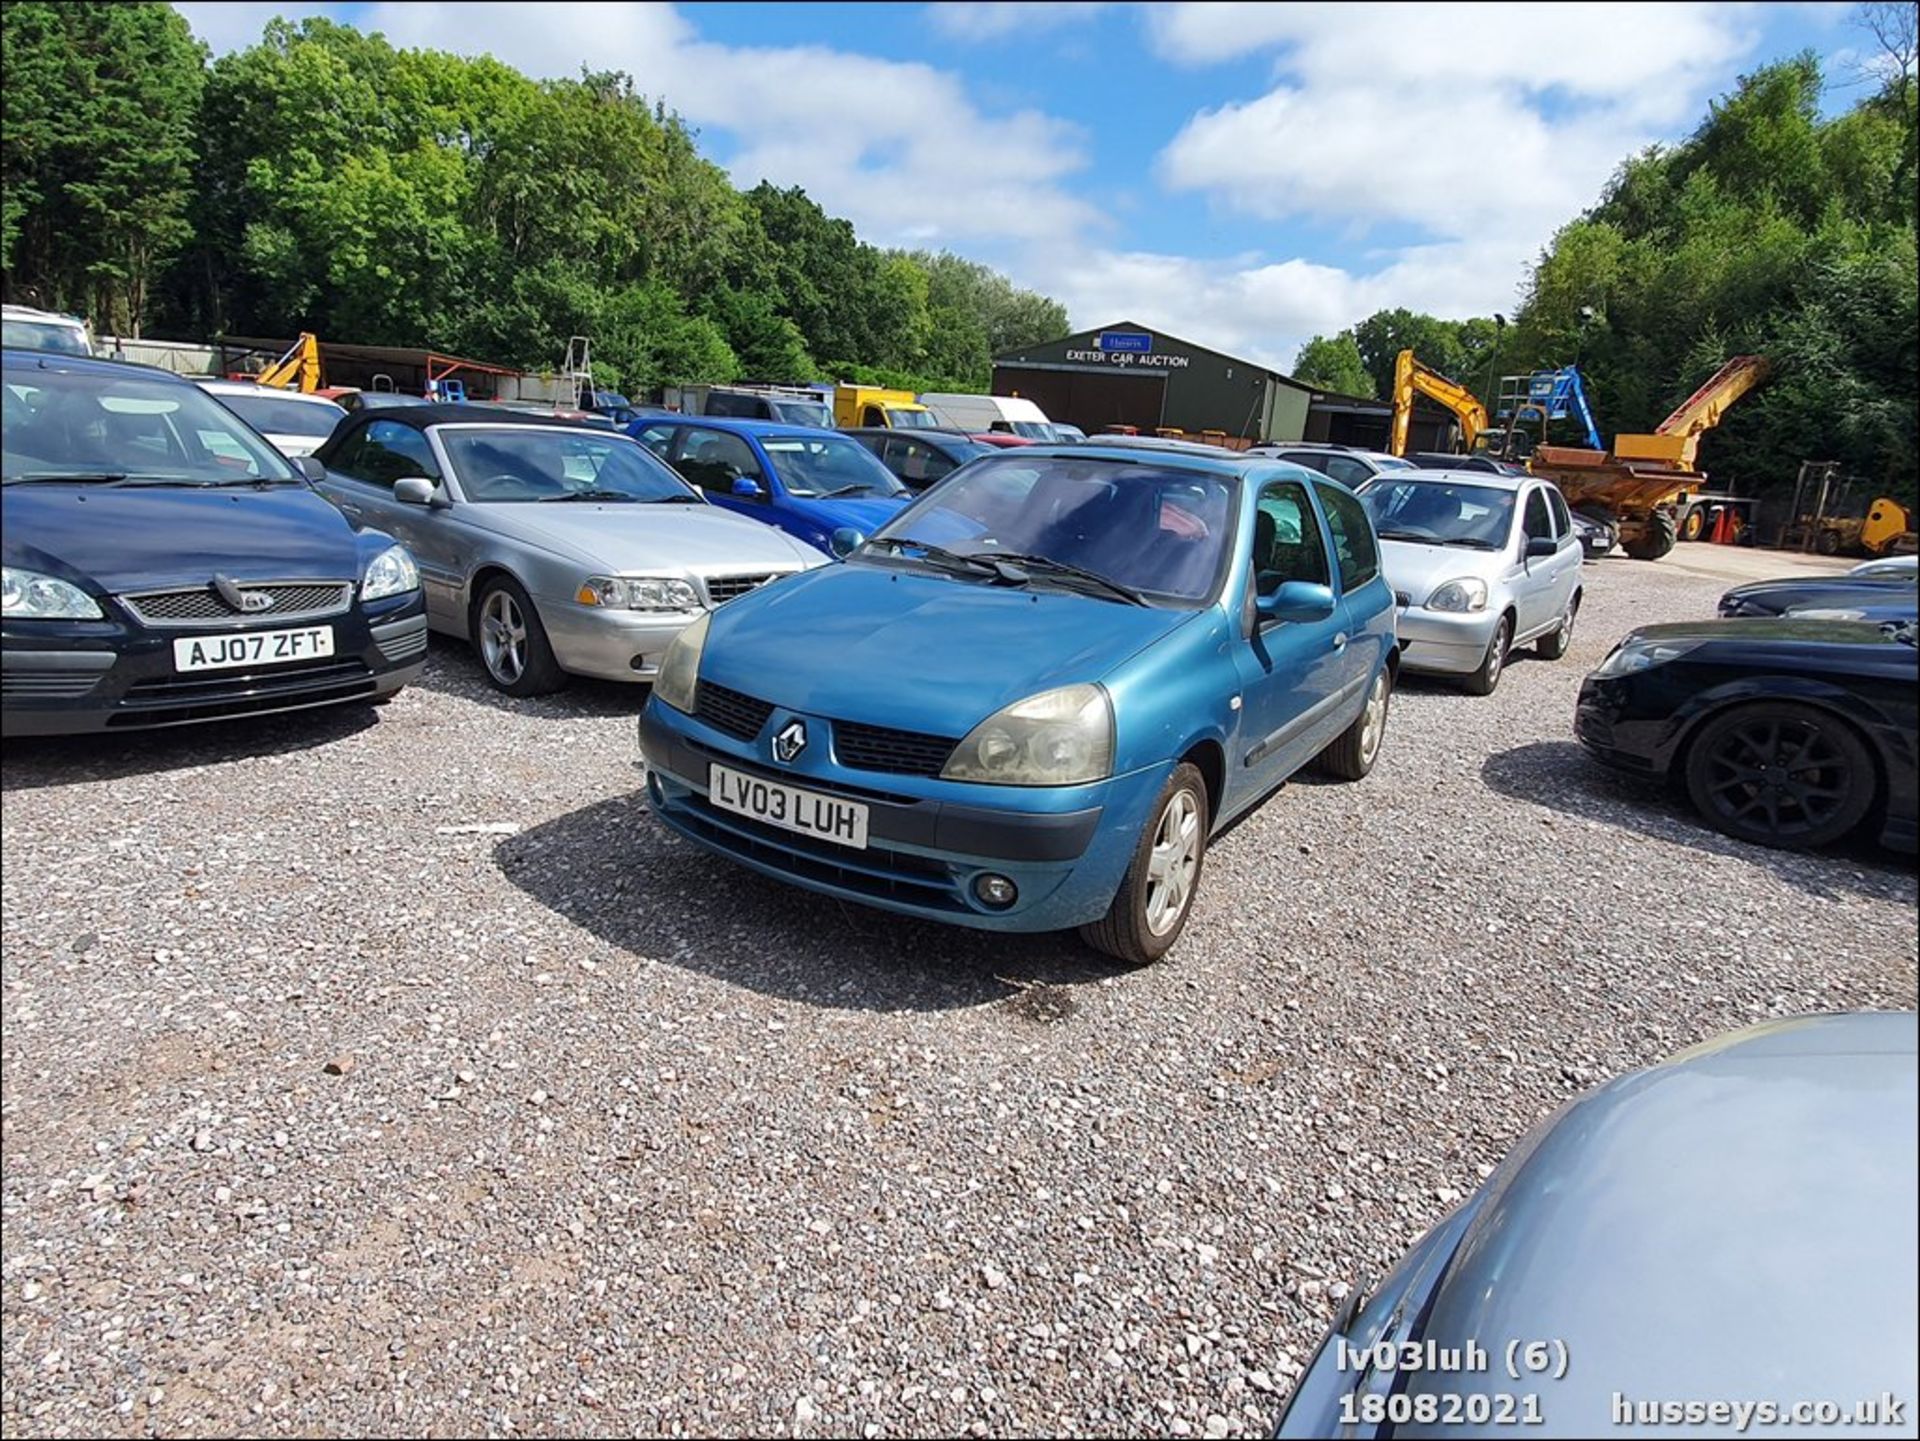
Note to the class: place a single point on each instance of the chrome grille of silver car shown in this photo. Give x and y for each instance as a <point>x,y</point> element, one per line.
<point>723,588</point>
<point>292,600</point>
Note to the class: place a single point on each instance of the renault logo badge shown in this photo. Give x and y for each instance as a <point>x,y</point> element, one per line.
<point>791,740</point>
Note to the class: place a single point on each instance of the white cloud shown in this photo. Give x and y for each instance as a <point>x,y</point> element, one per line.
<point>999,19</point>
<point>235,24</point>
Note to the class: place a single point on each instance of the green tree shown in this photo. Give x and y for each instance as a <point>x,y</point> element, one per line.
<point>1334,363</point>
<point>97,153</point>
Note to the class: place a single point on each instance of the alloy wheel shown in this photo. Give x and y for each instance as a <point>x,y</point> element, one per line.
<point>1173,863</point>
<point>1785,774</point>
<point>503,638</point>
<point>1373,721</point>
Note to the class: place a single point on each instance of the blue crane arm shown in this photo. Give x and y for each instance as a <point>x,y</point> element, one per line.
<point>1577,392</point>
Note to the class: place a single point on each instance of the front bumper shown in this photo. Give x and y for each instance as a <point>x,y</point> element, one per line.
<point>1065,848</point>
<point>1605,723</point>
<point>73,677</point>
<point>1444,642</point>
<point>625,645</point>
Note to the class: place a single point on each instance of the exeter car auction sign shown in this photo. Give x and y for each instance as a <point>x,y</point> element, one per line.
<point>1126,348</point>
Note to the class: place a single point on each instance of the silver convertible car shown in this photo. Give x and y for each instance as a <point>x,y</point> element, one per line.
<point>555,548</point>
<point>1721,1245</point>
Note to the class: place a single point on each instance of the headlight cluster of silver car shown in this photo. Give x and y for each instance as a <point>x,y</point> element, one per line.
<point>646,592</point>
<point>1469,593</point>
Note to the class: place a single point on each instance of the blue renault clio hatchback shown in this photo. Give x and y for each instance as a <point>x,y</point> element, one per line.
<point>1027,701</point>
<point>807,481</point>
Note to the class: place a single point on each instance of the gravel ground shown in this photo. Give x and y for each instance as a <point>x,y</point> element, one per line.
<point>392,1071</point>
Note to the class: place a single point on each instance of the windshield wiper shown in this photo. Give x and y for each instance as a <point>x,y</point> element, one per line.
<point>1410,535</point>
<point>1047,565</point>
<point>858,488</point>
<point>95,477</point>
<point>675,500</point>
<point>1473,543</point>
<point>946,559</point>
<point>590,494</point>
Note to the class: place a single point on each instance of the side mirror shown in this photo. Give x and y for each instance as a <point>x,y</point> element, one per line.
<point>413,490</point>
<point>1540,546</point>
<point>1297,600</point>
<point>309,467</point>
<point>845,541</point>
<point>747,488</point>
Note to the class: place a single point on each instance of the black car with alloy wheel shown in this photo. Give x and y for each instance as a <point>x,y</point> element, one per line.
<point>164,564</point>
<point>1790,732</point>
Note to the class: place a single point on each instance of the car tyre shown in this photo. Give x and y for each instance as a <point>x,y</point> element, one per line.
<point>511,643</point>
<point>1150,909</point>
<point>1656,537</point>
<point>1694,523</point>
<point>1556,642</point>
<point>1780,774</point>
<point>1494,662</point>
<point>1352,755</point>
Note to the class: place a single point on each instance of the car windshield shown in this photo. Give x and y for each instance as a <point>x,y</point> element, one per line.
<point>1438,512</point>
<point>122,426</point>
<point>19,333</point>
<point>910,419</point>
<point>801,412</point>
<point>512,464</point>
<point>1155,529</point>
<point>273,415</point>
<point>1032,429</point>
<point>815,466</point>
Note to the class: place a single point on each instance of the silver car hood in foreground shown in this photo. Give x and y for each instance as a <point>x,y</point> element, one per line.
<point>1736,1224</point>
<point>1419,570</point>
<point>634,535</point>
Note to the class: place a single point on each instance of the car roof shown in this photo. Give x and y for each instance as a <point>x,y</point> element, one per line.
<point>742,425</point>
<point>87,365</point>
<point>217,385</point>
<point>1485,479</point>
<point>427,414</point>
<point>1217,460</point>
<point>912,432</point>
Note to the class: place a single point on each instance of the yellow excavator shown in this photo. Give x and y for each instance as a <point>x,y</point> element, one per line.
<point>298,369</point>
<point>1640,487</point>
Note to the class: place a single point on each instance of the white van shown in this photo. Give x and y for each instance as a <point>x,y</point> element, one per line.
<point>975,413</point>
<point>24,328</point>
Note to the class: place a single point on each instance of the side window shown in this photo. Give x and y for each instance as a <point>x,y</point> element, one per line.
<point>1352,538</point>
<point>871,416</point>
<point>915,461</point>
<point>1286,538</point>
<point>713,460</point>
<point>385,451</point>
<point>1562,522</point>
<point>656,438</point>
<point>1348,471</point>
<point>1537,522</point>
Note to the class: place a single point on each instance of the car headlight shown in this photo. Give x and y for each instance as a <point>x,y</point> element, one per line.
<point>1466,593</point>
<point>1060,737</point>
<point>680,668</point>
<point>645,592</point>
<point>1632,656</point>
<point>392,573</point>
<point>29,595</point>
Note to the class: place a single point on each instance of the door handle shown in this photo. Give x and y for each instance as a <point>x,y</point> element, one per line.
<point>1340,641</point>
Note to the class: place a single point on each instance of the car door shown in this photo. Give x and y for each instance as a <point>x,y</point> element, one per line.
<point>1290,671</point>
<point>1356,566</point>
<point>1567,560</point>
<point>360,477</point>
<point>1533,581</point>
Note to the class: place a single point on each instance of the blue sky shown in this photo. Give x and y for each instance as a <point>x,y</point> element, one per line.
<point>1241,175</point>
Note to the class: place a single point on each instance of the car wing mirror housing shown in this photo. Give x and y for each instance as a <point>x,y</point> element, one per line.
<point>311,468</point>
<point>1541,546</point>
<point>747,488</point>
<point>417,490</point>
<point>1297,600</point>
<point>845,541</point>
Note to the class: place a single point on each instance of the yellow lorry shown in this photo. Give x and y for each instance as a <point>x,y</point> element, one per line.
<point>873,405</point>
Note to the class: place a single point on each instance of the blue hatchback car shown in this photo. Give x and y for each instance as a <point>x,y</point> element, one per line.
<point>1027,701</point>
<point>809,482</point>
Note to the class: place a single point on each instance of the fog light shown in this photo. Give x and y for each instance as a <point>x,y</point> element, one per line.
<point>639,662</point>
<point>996,891</point>
<point>654,788</point>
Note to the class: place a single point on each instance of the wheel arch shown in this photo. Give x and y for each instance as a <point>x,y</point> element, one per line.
<point>1209,757</point>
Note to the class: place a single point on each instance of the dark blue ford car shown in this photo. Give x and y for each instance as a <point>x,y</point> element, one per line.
<point>164,564</point>
<point>1029,699</point>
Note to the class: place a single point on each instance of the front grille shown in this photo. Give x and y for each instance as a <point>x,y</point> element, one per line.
<point>47,684</point>
<point>877,748</point>
<point>292,600</point>
<point>723,588</point>
<point>740,716</point>
<point>170,700</point>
